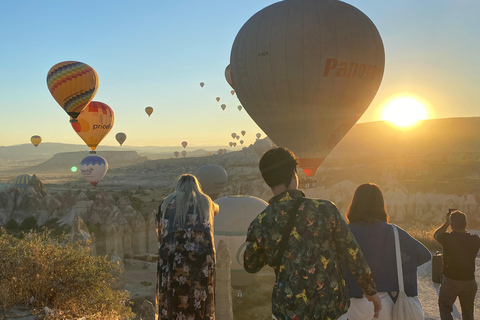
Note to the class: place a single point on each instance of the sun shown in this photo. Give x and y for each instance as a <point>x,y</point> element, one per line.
<point>405,110</point>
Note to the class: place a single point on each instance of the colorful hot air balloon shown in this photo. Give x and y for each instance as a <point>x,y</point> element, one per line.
<point>21,181</point>
<point>258,135</point>
<point>121,137</point>
<point>36,140</point>
<point>184,153</point>
<point>223,106</point>
<point>149,110</point>
<point>212,178</point>
<point>308,82</point>
<point>93,169</point>
<point>243,132</point>
<point>228,76</point>
<point>239,108</point>
<point>73,85</point>
<point>232,92</point>
<point>184,144</point>
<point>176,154</point>
<point>94,123</point>
<point>233,135</point>
<point>218,99</point>
<point>202,84</point>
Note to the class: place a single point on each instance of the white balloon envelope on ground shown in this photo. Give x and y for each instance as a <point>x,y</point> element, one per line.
<point>306,71</point>
<point>212,178</point>
<point>94,169</point>
<point>231,225</point>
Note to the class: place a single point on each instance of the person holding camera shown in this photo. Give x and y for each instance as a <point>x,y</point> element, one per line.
<point>306,241</point>
<point>460,249</point>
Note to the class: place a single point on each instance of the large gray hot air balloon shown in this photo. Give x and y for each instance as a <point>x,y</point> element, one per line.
<point>231,225</point>
<point>305,71</point>
<point>212,178</point>
<point>262,145</point>
<point>228,76</point>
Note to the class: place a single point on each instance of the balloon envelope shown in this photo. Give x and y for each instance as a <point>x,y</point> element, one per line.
<point>228,76</point>
<point>231,225</point>
<point>258,135</point>
<point>176,154</point>
<point>94,123</point>
<point>36,140</point>
<point>217,98</point>
<point>94,169</point>
<point>233,135</point>
<point>212,178</point>
<point>305,71</point>
<point>262,145</point>
<point>243,132</point>
<point>202,84</point>
<point>223,106</point>
<point>184,144</point>
<point>219,151</point>
<point>241,141</point>
<point>121,137</point>
<point>149,110</point>
<point>232,92</point>
<point>73,85</point>
<point>21,181</point>
<point>184,153</point>
<point>239,108</point>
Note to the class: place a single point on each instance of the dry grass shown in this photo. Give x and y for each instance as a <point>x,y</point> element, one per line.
<point>424,234</point>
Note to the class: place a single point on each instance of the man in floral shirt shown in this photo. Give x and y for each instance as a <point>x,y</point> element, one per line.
<point>309,280</point>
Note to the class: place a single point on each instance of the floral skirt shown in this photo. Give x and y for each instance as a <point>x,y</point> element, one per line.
<point>186,277</point>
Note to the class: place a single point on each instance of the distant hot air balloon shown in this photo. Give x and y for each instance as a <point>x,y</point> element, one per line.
<point>36,140</point>
<point>234,144</point>
<point>232,92</point>
<point>239,108</point>
<point>218,99</point>
<point>121,137</point>
<point>223,106</point>
<point>228,76</point>
<point>230,144</point>
<point>258,135</point>
<point>184,153</point>
<point>209,153</point>
<point>241,141</point>
<point>231,225</point>
<point>243,133</point>
<point>202,84</point>
<point>184,144</point>
<point>219,151</point>
<point>262,145</point>
<point>73,85</point>
<point>224,151</point>
<point>176,154</point>
<point>212,178</point>
<point>149,110</point>
<point>233,135</point>
<point>94,123</point>
<point>237,137</point>
<point>21,181</point>
<point>308,82</point>
<point>94,168</point>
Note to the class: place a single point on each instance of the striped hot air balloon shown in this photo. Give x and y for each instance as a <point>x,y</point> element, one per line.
<point>94,169</point>
<point>21,181</point>
<point>73,85</point>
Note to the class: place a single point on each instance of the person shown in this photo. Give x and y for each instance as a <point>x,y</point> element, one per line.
<point>309,279</point>
<point>368,221</point>
<point>186,262</point>
<point>460,249</point>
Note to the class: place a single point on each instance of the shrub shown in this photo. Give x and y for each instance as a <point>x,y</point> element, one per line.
<point>28,224</point>
<point>11,225</point>
<point>66,279</point>
<point>424,234</point>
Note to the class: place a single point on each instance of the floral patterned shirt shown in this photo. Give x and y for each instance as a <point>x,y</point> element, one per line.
<point>309,281</point>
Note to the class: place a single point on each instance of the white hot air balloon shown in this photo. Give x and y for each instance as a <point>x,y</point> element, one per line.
<point>231,225</point>
<point>212,178</point>
<point>262,145</point>
<point>94,169</point>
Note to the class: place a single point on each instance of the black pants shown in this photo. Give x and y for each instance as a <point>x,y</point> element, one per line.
<point>450,290</point>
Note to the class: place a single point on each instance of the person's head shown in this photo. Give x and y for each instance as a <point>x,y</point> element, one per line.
<point>458,220</point>
<point>367,205</point>
<point>278,167</point>
<point>188,183</point>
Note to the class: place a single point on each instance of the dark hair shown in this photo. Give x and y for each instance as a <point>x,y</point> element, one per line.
<point>367,205</point>
<point>278,165</point>
<point>458,220</point>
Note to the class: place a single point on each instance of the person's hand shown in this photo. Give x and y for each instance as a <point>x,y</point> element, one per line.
<point>377,304</point>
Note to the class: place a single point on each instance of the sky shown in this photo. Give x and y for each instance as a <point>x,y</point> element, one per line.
<point>155,53</point>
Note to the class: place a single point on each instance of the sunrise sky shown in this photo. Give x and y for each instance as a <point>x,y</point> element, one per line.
<point>155,53</point>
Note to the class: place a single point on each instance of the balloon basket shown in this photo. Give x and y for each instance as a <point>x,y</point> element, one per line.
<point>93,152</point>
<point>73,120</point>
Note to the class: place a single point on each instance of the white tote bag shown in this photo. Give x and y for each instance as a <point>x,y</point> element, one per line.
<point>405,308</point>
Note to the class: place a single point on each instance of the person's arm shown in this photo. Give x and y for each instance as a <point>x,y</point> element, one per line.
<point>158,225</point>
<point>443,228</point>
<point>215,208</point>
<point>254,257</point>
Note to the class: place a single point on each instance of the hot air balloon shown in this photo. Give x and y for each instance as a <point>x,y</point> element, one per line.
<point>212,178</point>
<point>202,84</point>
<point>262,145</point>
<point>73,85</point>
<point>223,106</point>
<point>307,82</point>
<point>219,151</point>
<point>21,181</point>
<point>209,153</point>
<point>121,137</point>
<point>232,92</point>
<point>94,168</point>
<point>36,140</point>
<point>176,154</point>
<point>231,225</point>
<point>241,141</point>
<point>184,144</point>
<point>233,135</point>
<point>218,99</point>
<point>258,135</point>
<point>184,153</point>
<point>149,110</point>
<point>243,133</point>
<point>228,76</point>
<point>94,123</point>
<point>230,144</point>
<point>224,151</point>
<point>234,144</point>
<point>237,137</point>
<point>239,108</point>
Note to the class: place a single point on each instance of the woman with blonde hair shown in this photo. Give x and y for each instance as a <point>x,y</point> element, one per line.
<point>368,221</point>
<point>186,263</point>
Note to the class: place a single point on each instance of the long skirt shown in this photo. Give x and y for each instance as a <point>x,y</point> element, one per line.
<point>186,277</point>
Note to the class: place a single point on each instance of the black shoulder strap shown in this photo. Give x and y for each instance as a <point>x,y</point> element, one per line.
<point>292,214</point>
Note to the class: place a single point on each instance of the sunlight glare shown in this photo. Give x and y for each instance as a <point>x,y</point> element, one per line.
<point>404,111</point>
